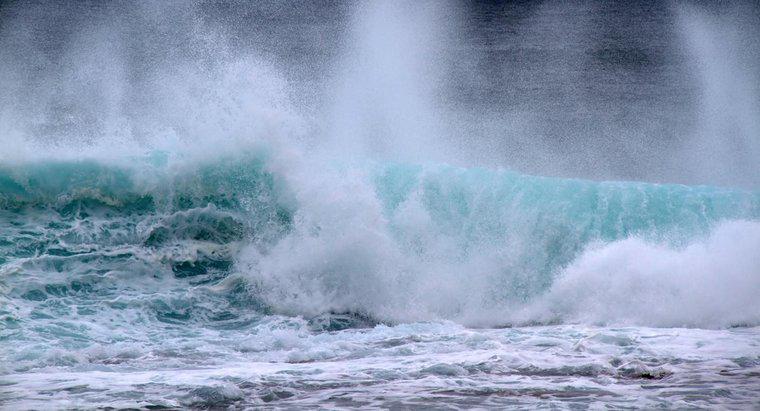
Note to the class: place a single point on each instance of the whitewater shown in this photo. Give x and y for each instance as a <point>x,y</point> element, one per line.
<point>223,253</point>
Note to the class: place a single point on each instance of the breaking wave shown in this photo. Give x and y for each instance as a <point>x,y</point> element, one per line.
<point>386,242</point>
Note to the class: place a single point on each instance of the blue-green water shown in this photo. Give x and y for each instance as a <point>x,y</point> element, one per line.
<point>152,265</point>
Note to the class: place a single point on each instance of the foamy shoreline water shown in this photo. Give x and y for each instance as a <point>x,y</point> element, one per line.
<point>421,365</point>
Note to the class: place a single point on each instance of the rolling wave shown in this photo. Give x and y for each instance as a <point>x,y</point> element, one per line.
<point>382,242</point>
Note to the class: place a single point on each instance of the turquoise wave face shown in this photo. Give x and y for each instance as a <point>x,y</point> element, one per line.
<point>243,197</point>
<point>85,238</point>
<point>558,216</point>
<point>473,203</point>
<point>479,202</point>
<point>86,244</point>
<point>142,186</point>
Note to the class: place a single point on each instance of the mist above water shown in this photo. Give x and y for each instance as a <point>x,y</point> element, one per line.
<point>725,56</point>
<point>656,93</point>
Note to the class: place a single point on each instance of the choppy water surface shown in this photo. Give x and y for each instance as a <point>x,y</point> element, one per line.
<point>147,285</point>
<point>282,362</point>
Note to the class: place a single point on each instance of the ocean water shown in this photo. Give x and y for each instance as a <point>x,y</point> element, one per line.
<point>232,205</point>
<point>163,283</point>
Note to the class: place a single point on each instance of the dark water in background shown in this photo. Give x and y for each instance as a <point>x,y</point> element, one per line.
<point>607,90</point>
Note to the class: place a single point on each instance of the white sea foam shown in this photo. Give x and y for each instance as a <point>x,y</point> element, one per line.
<point>710,283</point>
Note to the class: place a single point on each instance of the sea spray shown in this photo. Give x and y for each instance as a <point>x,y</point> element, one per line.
<point>240,205</point>
<point>402,242</point>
